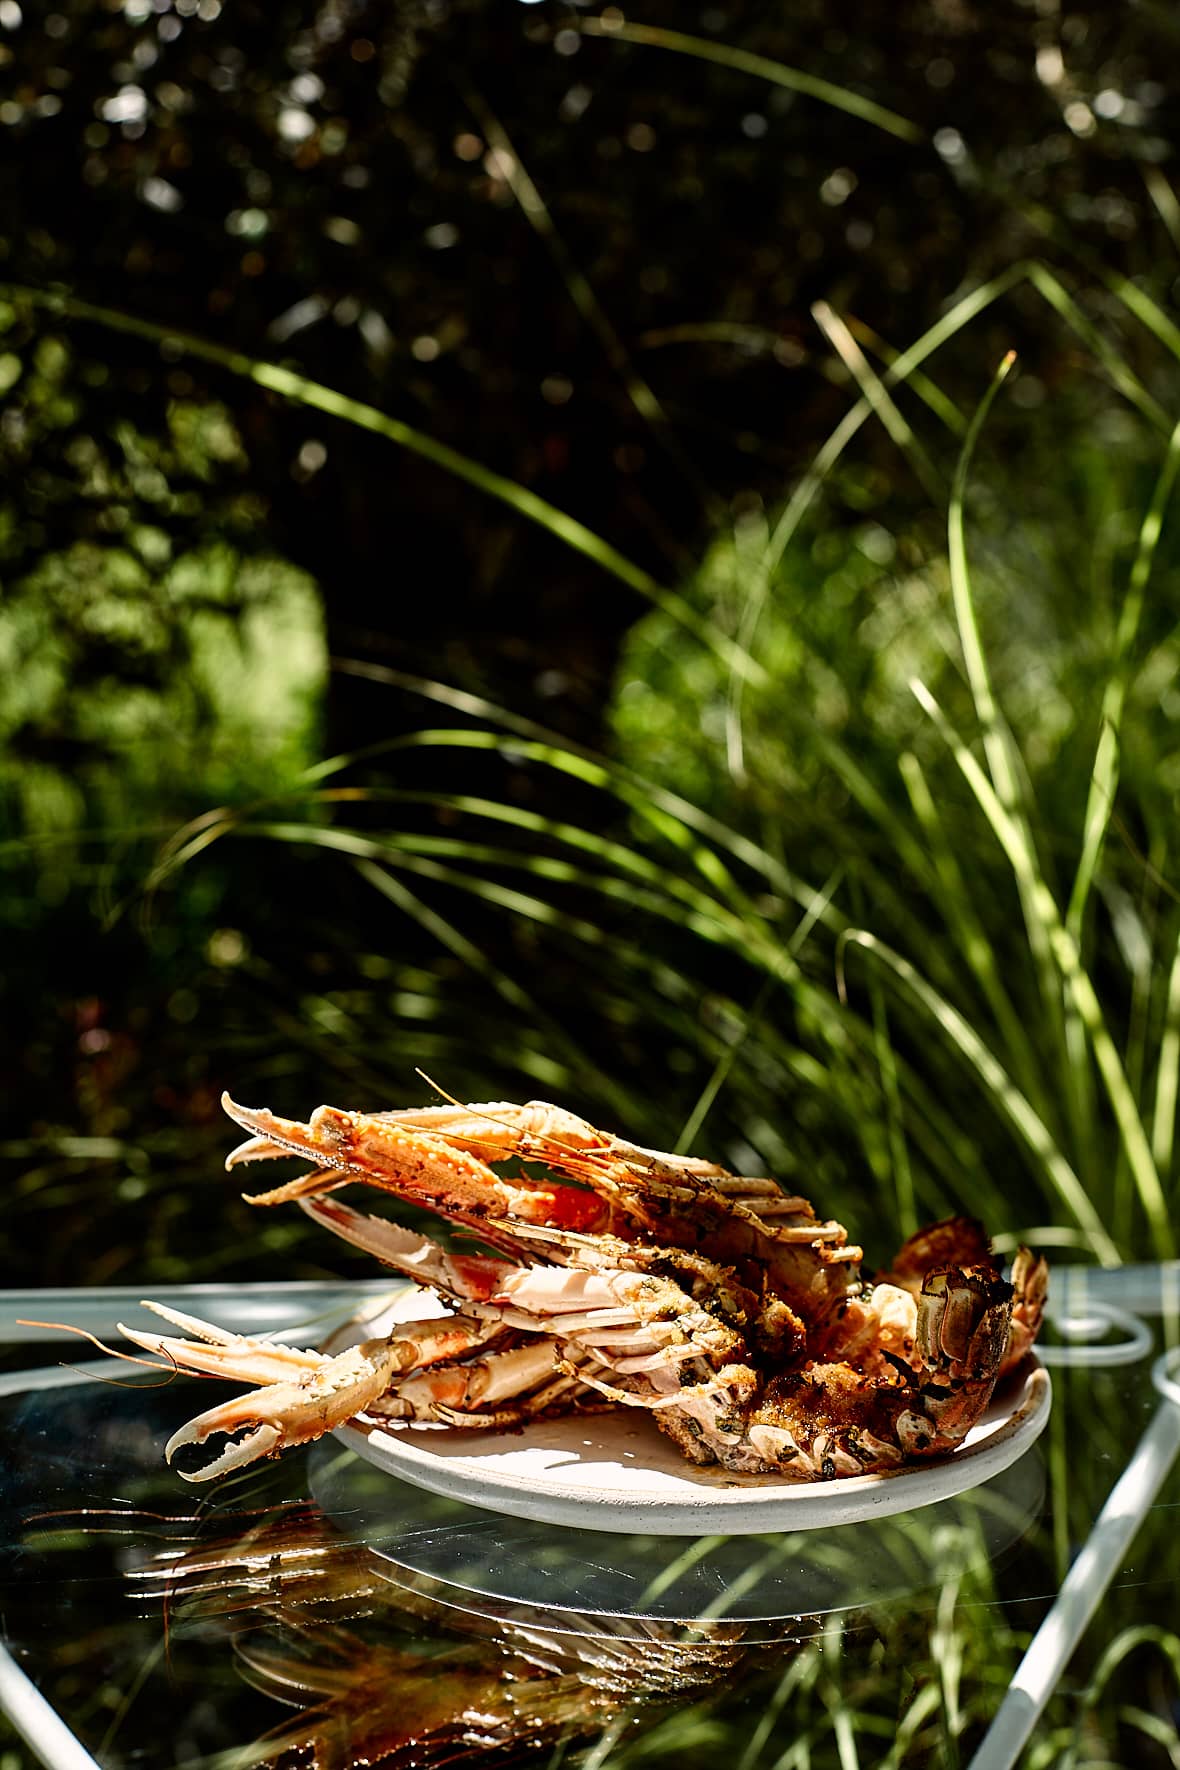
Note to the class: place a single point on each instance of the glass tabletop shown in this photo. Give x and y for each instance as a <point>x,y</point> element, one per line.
<point>319,1610</point>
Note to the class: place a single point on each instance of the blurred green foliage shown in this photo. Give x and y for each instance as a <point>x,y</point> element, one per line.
<point>861,606</point>
<point>137,684</point>
<point>341,186</point>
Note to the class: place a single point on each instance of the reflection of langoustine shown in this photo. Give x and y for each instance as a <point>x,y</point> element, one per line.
<point>319,1626</point>
<point>721,1305</point>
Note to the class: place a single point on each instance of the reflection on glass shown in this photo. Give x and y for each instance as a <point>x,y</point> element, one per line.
<point>381,1672</point>
<point>411,1640</point>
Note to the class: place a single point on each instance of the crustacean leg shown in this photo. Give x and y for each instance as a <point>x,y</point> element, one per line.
<point>582,1328</point>
<point>651,1341</point>
<point>791,1267</point>
<point>512,1688</point>
<point>362,1701</point>
<point>483,1276</point>
<point>680,1201</point>
<point>632,1323</point>
<point>493,1389</point>
<point>874,1328</point>
<point>304,1393</point>
<point>494,1131</point>
<point>415,1165</point>
<point>539,1131</point>
<point>631,1317</point>
<point>429,1156</point>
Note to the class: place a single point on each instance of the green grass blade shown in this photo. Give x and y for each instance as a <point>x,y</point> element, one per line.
<point>807,489</point>
<point>761,67</point>
<point>996,1082</point>
<point>970,936</point>
<point>1127,1641</point>
<point>728,1058</point>
<point>736,332</point>
<point>995,740</point>
<point>928,391</point>
<point>761,1734</point>
<point>1149,534</point>
<point>870,798</point>
<point>706,1099</point>
<point>631,863</point>
<point>1100,798</point>
<point>1065,953</point>
<point>946,1650</point>
<point>677,819</point>
<point>761,572</point>
<point>673,819</point>
<point>505,986</point>
<point>1167,1080</point>
<point>426,855</point>
<point>741,938</point>
<point>926,1703</point>
<point>536,212</point>
<point>1004,766</point>
<point>1164,198</point>
<point>1104,776</point>
<point>1162,1733</point>
<point>886,885</point>
<point>880,400</point>
<point>899,1158</point>
<point>745,930</point>
<point>968,308</point>
<point>845,1038</point>
<point>638,962</point>
<point>1147,311</point>
<point>188,842</point>
<point>1121,377</point>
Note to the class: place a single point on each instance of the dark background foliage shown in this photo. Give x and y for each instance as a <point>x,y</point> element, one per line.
<point>315,183</point>
<point>328,186</point>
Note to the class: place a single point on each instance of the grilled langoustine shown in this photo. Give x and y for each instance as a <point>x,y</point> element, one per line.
<point>625,1276</point>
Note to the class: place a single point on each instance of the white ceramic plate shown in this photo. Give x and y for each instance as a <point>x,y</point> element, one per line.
<point>618,1472</point>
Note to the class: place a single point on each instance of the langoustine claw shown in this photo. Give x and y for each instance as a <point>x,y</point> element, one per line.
<point>304,1393</point>
<point>628,1276</point>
